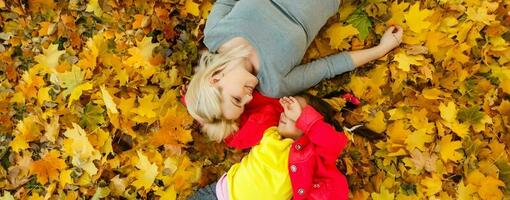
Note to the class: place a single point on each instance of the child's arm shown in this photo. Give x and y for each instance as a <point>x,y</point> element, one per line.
<point>329,142</point>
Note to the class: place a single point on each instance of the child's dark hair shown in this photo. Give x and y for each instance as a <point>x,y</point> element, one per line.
<point>326,110</point>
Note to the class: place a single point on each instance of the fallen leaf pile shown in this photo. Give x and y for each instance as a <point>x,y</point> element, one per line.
<point>89,101</point>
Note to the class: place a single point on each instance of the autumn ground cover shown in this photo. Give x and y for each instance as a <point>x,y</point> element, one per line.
<point>89,107</point>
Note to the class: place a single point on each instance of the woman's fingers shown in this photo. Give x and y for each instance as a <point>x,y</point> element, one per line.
<point>390,29</point>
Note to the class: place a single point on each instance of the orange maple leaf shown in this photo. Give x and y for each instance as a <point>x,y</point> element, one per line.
<point>47,168</point>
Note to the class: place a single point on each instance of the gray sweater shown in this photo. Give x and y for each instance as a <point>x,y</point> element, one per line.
<point>280,31</point>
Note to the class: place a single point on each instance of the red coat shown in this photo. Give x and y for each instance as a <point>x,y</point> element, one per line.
<point>312,157</point>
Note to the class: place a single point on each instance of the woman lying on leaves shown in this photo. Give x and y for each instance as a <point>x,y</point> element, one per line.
<point>258,44</point>
<point>296,159</point>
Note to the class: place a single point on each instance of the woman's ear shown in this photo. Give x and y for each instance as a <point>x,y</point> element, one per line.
<point>213,80</point>
<point>216,76</point>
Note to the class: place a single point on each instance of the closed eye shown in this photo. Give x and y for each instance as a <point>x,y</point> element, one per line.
<point>236,101</point>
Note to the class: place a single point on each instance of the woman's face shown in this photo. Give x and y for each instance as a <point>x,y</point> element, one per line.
<point>236,85</point>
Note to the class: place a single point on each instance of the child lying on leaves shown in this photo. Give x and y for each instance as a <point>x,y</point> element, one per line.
<point>271,171</point>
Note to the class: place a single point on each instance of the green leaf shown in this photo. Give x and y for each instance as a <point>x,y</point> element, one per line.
<point>361,21</point>
<point>504,173</point>
<point>471,115</point>
<point>92,116</point>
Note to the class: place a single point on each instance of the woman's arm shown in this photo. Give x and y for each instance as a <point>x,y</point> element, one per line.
<point>307,75</point>
<point>219,10</point>
<point>390,39</point>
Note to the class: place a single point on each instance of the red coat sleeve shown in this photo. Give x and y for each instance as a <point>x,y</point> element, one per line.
<point>328,142</point>
<point>253,128</point>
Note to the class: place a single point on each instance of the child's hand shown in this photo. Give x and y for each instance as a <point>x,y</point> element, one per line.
<point>291,107</point>
<point>391,38</point>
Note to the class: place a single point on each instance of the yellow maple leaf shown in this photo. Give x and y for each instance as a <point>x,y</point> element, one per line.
<point>339,35</point>
<point>398,132</point>
<point>358,86</point>
<point>505,86</point>
<point>417,140</point>
<point>141,55</point>
<point>437,43</point>
<point>449,112</point>
<point>192,8</point>
<point>65,178</point>
<point>35,196</point>
<point>43,95</point>
<point>448,149</point>
<point>397,13</point>
<point>108,100</point>
<point>416,18</point>
<point>127,105</point>
<point>27,130</point>
<point>465,192</point>
<point>475,178</point>
<point>498,152</point>
<point>169,193</point>
<point>377,123</point>
<point>93,6</point>
<point>48,61</point>
<point>77,146</point>
<point>432,93</point>
<point>420,121</point>
<point>396,114</point>
<point>405,61</point>
<point>47,28</point>
<point>480,15</point>
<point>206,7</point>
<point>173,127</point>
<point>433,185</point>
<point>146,109</point>
<point>51,129</point>
<point>489,188</point>
<point>27,88</point>
<point>460,129</point>
<point>47,168</point>
<point>146,172</point>
<point>96,47</point>
<point>77,91</point>
<point>384,194</point>
<point>457,53</point>
<point>504,108</point>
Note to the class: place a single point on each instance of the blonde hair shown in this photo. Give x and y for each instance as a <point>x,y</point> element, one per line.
<point>203,100</point>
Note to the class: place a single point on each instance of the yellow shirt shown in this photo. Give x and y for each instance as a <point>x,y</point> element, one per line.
<point>263,173</point>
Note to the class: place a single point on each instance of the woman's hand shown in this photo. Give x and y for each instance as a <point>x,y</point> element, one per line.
<point>291,107</point>
<point>391,38</point>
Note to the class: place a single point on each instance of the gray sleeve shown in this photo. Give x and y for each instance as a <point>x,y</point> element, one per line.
<point>219,10</point>
<point>303,77</point>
